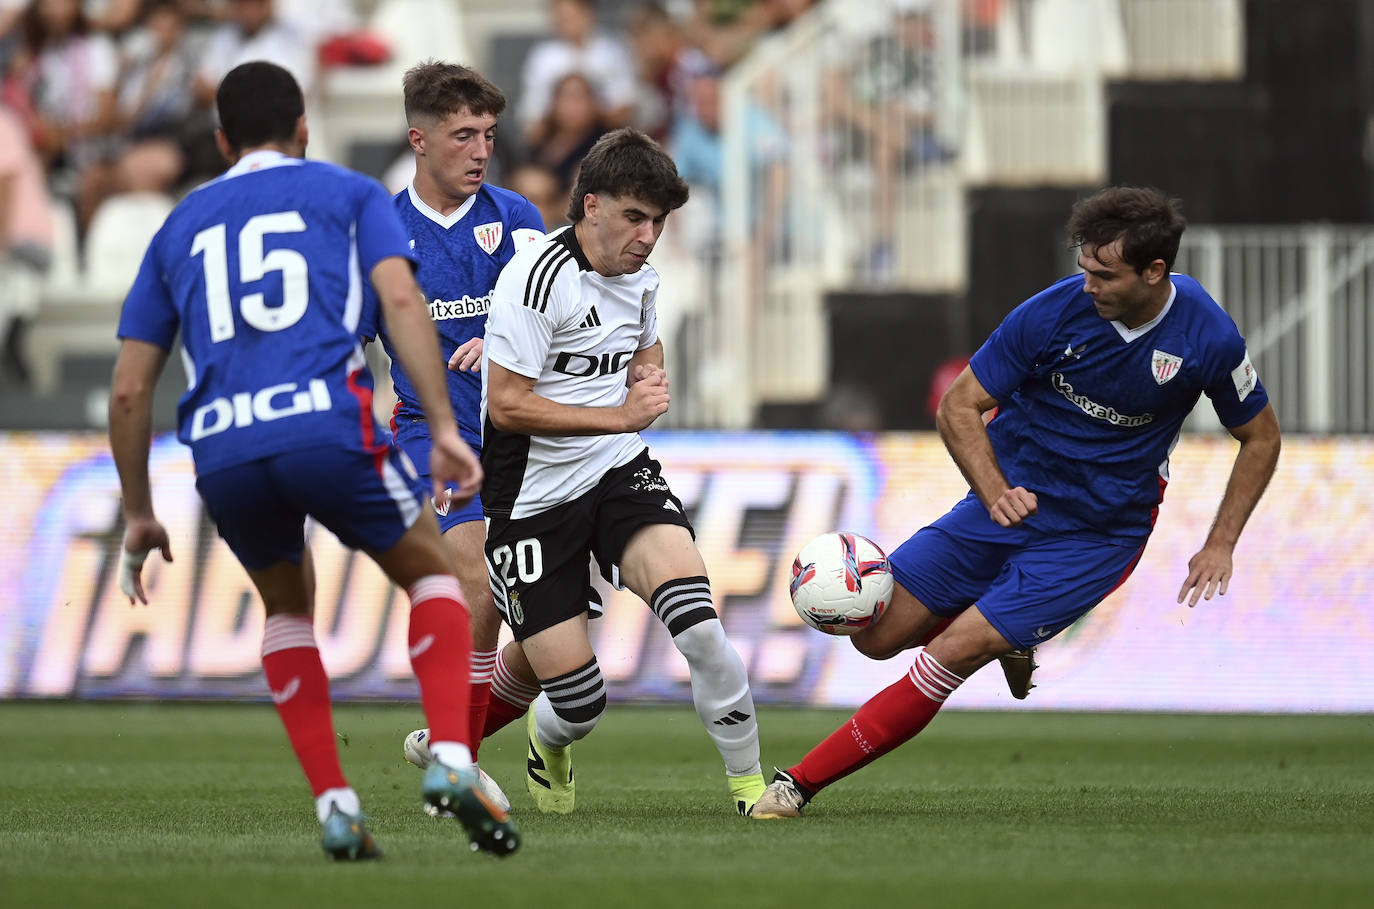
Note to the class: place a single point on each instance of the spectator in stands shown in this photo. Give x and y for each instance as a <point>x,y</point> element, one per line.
<point>666,61</point>
<point>978,25</point>
<point>315,21</point>
<point>25,241</point>
<point>698,149</point>
<point>114,16</point>
<point>725,30</point>
<point>155,104</point>
<point>541,186</point>
<point>884,108</point>
<point>11,14</point>
<point>577,46</point>
<point>253,32</point>
<point>68,71</point>
<point>575,120</point>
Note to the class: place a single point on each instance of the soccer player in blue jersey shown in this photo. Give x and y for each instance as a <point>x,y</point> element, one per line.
<point>1091,380</point>
<point>261,272</point>
<point>462,231</point>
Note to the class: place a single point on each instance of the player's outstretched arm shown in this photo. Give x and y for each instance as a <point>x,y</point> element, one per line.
<point>452,463</point>
<point>965,434</point>
<point>131,432</point>
<point>513,406</point>
<point>1209,571</point>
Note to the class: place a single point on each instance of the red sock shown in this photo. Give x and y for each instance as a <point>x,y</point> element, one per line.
<point>440,641</point>
<point>300,689</point>
<point>886,720</point>
<point>479,694</point>
<point>510,697</point>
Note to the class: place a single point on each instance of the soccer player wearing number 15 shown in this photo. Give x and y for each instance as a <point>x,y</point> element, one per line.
<point>261,271</point>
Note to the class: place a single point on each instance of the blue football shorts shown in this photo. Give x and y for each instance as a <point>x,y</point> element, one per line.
<point>367,499</point>
<point>412,436</point>
<point>1029,585</point>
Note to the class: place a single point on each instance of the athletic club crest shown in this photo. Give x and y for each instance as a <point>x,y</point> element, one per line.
<point>488,236</point>
<point>1165,366</point>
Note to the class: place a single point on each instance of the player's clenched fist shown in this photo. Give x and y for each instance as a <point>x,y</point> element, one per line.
<point>647,400</point>
<point>645,370</point>
<point>1013,506</point>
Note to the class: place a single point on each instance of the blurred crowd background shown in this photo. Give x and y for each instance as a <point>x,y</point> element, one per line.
<point>875,182</point>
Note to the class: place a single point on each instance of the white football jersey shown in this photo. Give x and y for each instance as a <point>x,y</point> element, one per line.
<point>555,320</point>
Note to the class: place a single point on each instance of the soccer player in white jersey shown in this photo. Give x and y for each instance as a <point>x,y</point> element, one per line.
<point>572,371</point>
<point>1091,380</point>
<point>462,231</point>
<point>261,272</point>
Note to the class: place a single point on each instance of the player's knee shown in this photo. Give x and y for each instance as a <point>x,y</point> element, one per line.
<point>576,700</point>
<point>578,724</point>
<point>872,644</point>
<point>704,642</point>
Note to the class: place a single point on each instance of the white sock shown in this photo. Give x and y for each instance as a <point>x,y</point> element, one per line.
<point>346,800</point>
<point>720,691</point>
<point>455,755</point>
<point>570,705</point>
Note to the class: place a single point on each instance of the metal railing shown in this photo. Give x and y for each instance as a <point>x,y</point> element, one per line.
<point>851,137</point>
<point>1302,297</point>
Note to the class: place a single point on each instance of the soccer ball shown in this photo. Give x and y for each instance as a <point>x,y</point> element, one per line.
<point>841,582</point>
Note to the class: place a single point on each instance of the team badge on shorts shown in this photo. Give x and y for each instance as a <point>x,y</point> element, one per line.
<point>488,236</point>
<point>1165,366</point>
<point>517,611</point>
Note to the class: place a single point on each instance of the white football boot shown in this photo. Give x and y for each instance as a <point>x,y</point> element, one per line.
<point>416,750</point>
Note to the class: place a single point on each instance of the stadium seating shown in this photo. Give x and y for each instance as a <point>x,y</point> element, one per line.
<point>81,309</point>
<point>363,103</point>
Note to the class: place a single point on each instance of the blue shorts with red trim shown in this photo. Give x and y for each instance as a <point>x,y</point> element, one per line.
<point>412,435</point>
<point>1029,585</point>
<point>368,500</point>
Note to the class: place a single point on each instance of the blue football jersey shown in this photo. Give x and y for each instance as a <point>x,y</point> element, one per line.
<point>460,256</point>
<point>262,271</point>
<point>1089,410</point>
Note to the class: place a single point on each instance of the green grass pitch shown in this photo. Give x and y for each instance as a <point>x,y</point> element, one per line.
<point>115,805</point>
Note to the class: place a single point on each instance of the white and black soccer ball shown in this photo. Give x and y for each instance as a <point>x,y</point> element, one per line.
<point>841,582</point>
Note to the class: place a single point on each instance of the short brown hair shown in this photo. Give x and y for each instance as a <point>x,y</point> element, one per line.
<point>436,89</point>
<point>1148,221</point>
<point>626,163</point>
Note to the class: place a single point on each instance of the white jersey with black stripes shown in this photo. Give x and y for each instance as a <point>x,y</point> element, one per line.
<point>554,319</point>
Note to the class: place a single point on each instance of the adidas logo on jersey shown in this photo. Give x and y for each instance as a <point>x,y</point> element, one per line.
<point>592,320</point>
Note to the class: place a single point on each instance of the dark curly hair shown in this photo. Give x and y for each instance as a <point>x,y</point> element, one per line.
<point>1148,222</point>
<point>627,163</point>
